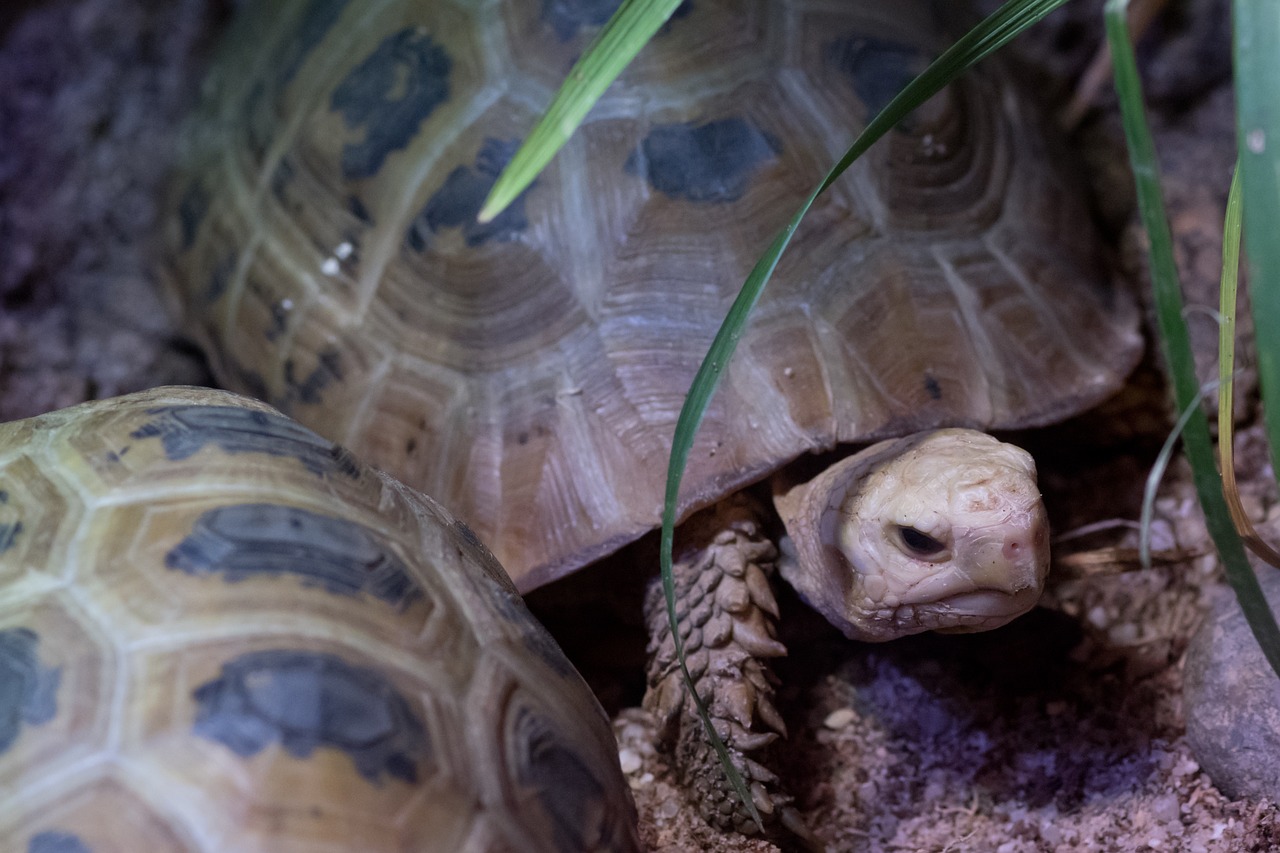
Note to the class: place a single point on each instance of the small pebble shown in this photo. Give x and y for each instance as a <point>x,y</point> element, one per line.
<point>670,808</point>
<point>629,760</point>
<point>1166,808</point>
<point>840,718</point>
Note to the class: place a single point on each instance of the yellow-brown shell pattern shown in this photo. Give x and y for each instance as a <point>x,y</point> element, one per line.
<point>218,631</point>
<point>529,372</point>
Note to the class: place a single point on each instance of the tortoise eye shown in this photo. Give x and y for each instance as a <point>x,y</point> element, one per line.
<point>921,544</point>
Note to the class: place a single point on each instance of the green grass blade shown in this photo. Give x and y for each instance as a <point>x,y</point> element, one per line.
<point>1174,340</point>
<point>1257,60</point>
<point>627,31</point>
<point>1226,376</point>
<point>981,41</point>
<point>1227,293</point>
<point>1156,474</point>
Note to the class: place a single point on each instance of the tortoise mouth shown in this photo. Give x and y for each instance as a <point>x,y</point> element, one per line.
<point>980,610</point>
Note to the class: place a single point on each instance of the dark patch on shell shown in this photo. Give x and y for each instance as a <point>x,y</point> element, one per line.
<point>9,535</point>
<point>932,388</point>
<point>219,277</point>
<point>458,201</point>
<point>388,96</point>
<point>566,17</point>
<point>248,540</point>
<point>358,210</point>
<point>328,370</point>
<point>878,69</point>
<point>185,430</point>
<point>711,162</point>
<point>57,842</point>
<point>306,700</point>
<point>28,691</point>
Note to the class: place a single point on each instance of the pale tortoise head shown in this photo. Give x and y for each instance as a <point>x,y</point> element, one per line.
<point>940,531</point>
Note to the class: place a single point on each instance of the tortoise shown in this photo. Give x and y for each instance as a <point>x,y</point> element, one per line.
<point>219,631</point>
<point>529,371</point>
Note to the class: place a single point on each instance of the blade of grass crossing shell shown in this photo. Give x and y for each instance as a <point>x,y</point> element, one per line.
<point>1175,342</point>
<point>1257,58</point>
<point>988,36</point>
<point>627,31</point>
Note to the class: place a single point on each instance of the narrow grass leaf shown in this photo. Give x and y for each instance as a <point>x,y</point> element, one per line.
<point>1174,340</point>
<point>1257,60</point>
<point>1226,377</point>
<point>627,31</point>
<point>1156,474</point>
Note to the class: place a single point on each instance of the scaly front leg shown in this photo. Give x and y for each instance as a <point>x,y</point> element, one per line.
<point>726,614</point>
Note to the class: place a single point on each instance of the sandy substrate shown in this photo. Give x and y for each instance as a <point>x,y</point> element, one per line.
<point>1063,732</point>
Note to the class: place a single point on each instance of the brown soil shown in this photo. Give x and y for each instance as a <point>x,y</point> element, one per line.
<point>1062,732</point>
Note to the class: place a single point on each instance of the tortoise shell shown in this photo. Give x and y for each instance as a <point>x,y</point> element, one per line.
<point>528,372</point>
<point>218,631</point>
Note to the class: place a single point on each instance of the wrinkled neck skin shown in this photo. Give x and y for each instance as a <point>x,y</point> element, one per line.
<point>943,531</point>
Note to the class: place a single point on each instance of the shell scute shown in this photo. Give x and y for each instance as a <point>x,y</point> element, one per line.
<point>37,516</point>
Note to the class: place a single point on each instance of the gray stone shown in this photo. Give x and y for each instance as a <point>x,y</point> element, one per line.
<point>1231,700</point>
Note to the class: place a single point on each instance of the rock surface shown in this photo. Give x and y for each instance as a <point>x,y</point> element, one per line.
<point>1231,700</point>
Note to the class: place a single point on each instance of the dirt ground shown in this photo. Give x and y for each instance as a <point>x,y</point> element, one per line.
<point>1061,732</point>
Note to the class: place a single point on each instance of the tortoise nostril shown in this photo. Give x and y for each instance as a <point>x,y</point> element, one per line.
<point>1012,549</point>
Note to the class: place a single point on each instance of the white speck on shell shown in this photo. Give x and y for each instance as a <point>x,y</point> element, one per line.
<point>330,266</point>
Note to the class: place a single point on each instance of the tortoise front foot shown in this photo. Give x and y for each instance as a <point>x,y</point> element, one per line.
<point>726,613</point>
